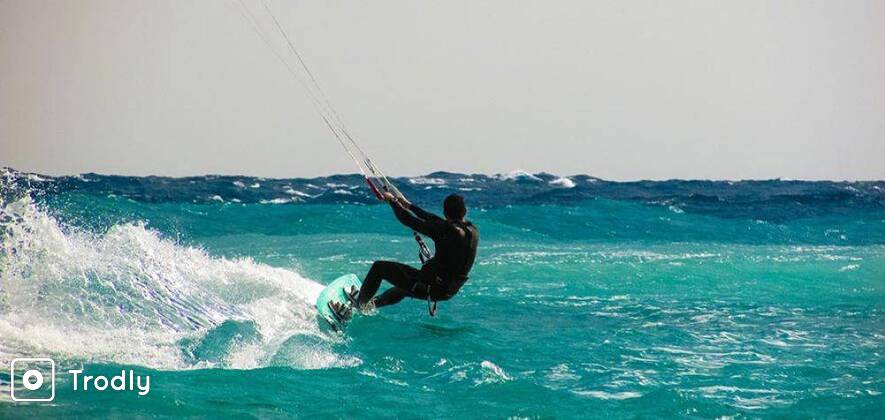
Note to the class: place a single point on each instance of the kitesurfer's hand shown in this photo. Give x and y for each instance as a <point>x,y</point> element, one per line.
<point>388,197</point>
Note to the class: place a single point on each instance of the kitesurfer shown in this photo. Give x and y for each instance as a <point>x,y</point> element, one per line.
<point>442,276</point>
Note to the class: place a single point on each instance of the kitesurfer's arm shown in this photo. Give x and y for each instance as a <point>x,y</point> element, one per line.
<point>418,211</point>
<point>414,223</point>
<point>422,213</point>
<point>425,227</point>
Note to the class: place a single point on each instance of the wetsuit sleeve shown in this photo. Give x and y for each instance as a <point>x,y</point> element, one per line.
<point>425,227</point>
<point>424,214</point>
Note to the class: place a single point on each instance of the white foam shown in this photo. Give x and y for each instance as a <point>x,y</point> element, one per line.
<point>492,373</point>
<point>131,296</point>
<point>427,181</point>
<point>849,267</point>
<point>563,182</point>
<point>514,175</point>
<point>602,395</point>
<point>276,201</point>
<point>291,191</point>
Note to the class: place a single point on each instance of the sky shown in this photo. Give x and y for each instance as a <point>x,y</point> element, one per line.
<point>622,90</point>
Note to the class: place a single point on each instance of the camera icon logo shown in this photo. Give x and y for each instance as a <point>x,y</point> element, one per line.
<point>28,379</point>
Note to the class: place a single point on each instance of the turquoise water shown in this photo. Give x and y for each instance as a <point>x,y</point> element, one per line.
<point>589,298</point>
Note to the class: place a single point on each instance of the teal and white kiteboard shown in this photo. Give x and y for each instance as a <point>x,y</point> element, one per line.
<point>335,292</point>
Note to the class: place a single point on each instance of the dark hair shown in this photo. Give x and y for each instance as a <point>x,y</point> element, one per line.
<point>454,207</point>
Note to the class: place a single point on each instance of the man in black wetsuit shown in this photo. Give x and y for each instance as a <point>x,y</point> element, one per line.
<point>441,277</point>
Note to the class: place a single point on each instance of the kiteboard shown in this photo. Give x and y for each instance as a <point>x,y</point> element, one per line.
<point>335,292</point>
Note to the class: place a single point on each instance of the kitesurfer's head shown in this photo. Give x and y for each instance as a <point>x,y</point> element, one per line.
<point>454,207</point>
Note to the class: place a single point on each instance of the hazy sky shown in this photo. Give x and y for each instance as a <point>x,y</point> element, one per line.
<point>615,89</point>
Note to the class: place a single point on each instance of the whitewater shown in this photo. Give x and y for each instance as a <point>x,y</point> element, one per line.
<point>129,296</point>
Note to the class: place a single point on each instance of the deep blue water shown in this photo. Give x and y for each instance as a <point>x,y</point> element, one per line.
<point>590,298</point>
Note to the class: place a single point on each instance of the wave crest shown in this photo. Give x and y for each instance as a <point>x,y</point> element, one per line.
<point>130,296</point>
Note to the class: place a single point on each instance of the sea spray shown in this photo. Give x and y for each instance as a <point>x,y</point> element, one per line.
<point>128,295</point>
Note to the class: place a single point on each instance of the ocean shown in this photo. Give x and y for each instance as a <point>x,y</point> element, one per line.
<point>589,298</point>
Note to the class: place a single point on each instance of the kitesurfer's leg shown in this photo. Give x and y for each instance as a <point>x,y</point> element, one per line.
<point>397,274</point>
<point>390,296</point>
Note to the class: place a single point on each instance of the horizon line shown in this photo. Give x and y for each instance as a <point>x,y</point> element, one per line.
<point>514,173</point>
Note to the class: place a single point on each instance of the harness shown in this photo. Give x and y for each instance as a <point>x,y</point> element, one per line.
<point>431,303</point>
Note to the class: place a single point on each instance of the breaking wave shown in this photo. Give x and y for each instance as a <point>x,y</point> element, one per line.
<point>128,295</point>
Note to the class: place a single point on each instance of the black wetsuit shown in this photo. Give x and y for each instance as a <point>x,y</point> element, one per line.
<point>441,276</point>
